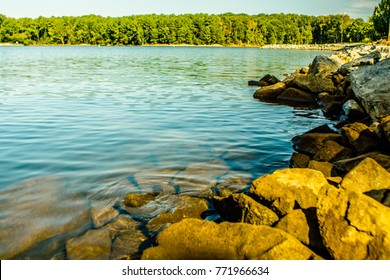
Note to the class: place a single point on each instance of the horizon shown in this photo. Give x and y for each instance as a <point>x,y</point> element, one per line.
<point>119,8</point>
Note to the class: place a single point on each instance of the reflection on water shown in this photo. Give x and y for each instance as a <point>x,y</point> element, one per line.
<point>104,120</point>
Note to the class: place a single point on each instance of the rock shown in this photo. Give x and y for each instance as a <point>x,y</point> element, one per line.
<point>93,245</point>
<point>299,160</point>
<point>331,151</point>
<point>128,246</point>
<point>382,196</point>
<point>368,175</point>
<point>321,129</point>
<point>332,109</point>
<point>311,143</point>
<point>360,137</point>
<point>353,225</point>
<point>198,178</point>
<point>304,227</point>
<point>372,88</point>
<point>323,65</point>
<point>124,224</point>
<point>334,181</point>
<point>353,111</point>
<point>138,200</point>
<point>156,180</point>
<point>270,92</point>
<point>253,83</point>
<point>233,182</point>
<point>384,131</point>
<point>287,189</point>
<point>296,96</point>
<point>188,207</point>
<point>242,208</point>
<point>314,84</point>
<point>325,168</point>
<point>40,214</point>
<point>102,214</point>
<point>369,59</point>
<point>346,165</point>
<point>269,80</point>
<point>193,239</point>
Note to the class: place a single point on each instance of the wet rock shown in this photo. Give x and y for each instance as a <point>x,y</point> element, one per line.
<point>287,189</point>
<point>93,245</point>
<point>353,225</point>
<point>199,178</point>
<point>124,224</point>
<point>187,207</point>
<point>128,246</point>
<point>334,181</point>
<point>323,65</point>
<point>156,180</point>
<point>110,194</point>
<point>102,214</point>
<point>331,151</point>
<point>346,165</point>
<point>304,227</point>
<point>325,168</point>
<point>253,83</point>
<point>40,212</point>
<point>372,88</point>
<point>138,200</point>
<point>270,92</point>
<point>268,80</point>
<point>360,137</point>
<point>242,208</point>
<point>368,175</point>
<point>299,160</point>
<point>311,143</point>
<point>314,84</point>
<point>382,196</point>
<point>369,59</point>
<point>384,131</point>
<point>226,241</point>
<point>232,182</point>
<point>296,96</point>
<point>353,111</point>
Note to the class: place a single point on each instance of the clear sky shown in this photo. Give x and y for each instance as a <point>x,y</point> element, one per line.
<point>114,8</point>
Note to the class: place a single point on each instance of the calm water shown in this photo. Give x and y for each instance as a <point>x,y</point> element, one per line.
<point>86,124</point>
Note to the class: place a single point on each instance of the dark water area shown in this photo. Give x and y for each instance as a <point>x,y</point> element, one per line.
<point>92,119</point>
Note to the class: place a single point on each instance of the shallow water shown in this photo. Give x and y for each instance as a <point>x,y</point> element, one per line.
<point>98,117</point>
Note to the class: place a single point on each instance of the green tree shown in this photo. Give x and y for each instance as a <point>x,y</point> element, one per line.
<point>381,18</point>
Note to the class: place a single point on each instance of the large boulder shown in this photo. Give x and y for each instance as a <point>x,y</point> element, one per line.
<point>40,214</point>
<point>372,88</point>
<point>360,137</point>
<point>270,92</point>
<point>287,189</point>
<point>311,143</point>
<point>298,160</point>
<point>296,96</point>
<point>353,225</point>
<point>368,175</point>
<point>346,165</point>
<point>332,151</point>
<point>193,239</point>
<point>313,83</point>
<point>369,59</point>
<point>242,208</point>
<point>323,65</point>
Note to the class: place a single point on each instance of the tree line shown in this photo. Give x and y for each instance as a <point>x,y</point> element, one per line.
<point>195,29</point>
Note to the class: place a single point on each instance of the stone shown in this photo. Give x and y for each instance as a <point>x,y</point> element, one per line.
<point>304,227</point>
<point>156,180</point>
<point>353,226</point>
<point>270,92</point>
<point>193,239</point>
<point>93,245</point>
<point>346,165</point>
<point>269,80</point>
<point>40,214</point>
<point>384,132</point>
<point>323,65</point>
<point>325,168</point>
<point>372,88</point>
<point>332,151</point>
<point>123,224</point>
<point>334,181</point>
<point>128,246</point>
<point>288,189</point>
<point>353,111</point>
<point>311,143</point>
<point>314,84</point>
<point>360,137</point>
<point>369,59</point>
<point>233,182</point>
<point>188,207</point>
<point>198,178</point>
<point>382,196</point>
<point>368,175</point>
<point>242,208</point>
<point>138,200</point>
<point>294,95</point>
<point>102,214</point>
<point>299,160</point>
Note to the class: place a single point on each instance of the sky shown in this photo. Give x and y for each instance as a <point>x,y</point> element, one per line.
<point>114,8</point>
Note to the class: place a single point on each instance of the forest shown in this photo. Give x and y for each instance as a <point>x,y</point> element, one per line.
<point>194,29</point>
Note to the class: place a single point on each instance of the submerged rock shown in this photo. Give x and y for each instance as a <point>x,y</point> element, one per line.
<point>193,239</point>
<point>129,246</point>
<point>138,200</point>
<point>242,208</point>
<point>102,214</point>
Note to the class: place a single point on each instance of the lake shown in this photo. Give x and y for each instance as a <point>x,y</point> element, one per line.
<point>97,116</point>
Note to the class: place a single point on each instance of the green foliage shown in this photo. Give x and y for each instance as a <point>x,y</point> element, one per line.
<point>197,29</point>
<point>381,18</point>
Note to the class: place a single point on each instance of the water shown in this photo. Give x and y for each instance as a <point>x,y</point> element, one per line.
<point>97,116</point>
